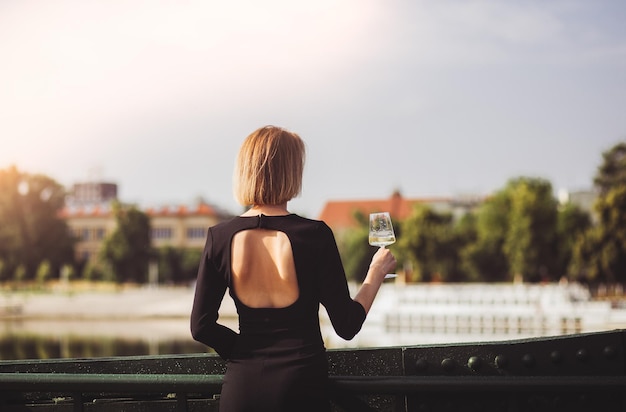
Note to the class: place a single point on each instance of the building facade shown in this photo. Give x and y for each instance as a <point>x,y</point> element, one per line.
<point>340,214</point>
<point>91,193</point>
<point>89,216</point>
<point>180,227</point>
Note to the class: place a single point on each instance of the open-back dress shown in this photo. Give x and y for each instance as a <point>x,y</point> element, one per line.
<point>277,361</point>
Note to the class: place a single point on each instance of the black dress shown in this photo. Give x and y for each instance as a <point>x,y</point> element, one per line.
<point>277,361</point>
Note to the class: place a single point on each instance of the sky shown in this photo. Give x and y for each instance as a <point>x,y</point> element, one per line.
<point>432,98</point>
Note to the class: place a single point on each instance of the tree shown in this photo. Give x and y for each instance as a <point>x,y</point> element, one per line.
<point>430,241</point>
<point>483,258</point>
<point>530,242</point>
<point>601,254</point>
<point>31,230</point>
<point>128,249</point>
<point>44,272</point>
<point>515,234</point>
<point>612,171</point>
<point>356,253</point>
<point>178,265</point>
<point>572,224</point>
<point>189,265</point>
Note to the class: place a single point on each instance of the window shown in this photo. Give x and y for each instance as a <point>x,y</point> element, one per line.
<point>100,232</point>
<point>196,233</point>
<point>162,233</point>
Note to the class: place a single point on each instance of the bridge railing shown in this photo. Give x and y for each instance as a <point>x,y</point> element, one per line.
<point>583,372</point>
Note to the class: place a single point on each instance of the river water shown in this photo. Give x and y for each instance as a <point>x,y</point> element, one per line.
<point>156,322</point>
<point>46,339</point>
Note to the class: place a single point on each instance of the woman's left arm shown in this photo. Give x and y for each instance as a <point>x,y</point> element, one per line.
<point>210,290</point>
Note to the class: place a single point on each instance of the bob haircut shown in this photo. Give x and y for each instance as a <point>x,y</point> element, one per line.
<point>269,167</point>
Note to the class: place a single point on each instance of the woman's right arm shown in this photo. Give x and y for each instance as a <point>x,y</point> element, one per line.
<point>346,314</point>
<point>382,263</point>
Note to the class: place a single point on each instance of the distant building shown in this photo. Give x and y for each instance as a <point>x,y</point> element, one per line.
<point>89,226</point>
<point>339,214</point>
<point>89,216</point>
<point>91,193</point>
<point>182,226</point>
<point>179,227</point>
<point>584,199</point>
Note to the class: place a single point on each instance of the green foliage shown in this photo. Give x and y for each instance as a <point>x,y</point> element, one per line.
<point>513,232</point>
<point>44,272</point>
<point>20,273</point>
<point>572,224</point>
<point>68,272</point>
<point>518,233</point>
<point>30,228</point>
<point>96,272</point>
<point>432,243</point>
<point>530,242</point>
<point>484,259</point>
<point>128,248</point>
<point>612,172</point>
<point>601,254</point>
<point>189,265</point>
<point>178,265</point>
<point>356,253</point>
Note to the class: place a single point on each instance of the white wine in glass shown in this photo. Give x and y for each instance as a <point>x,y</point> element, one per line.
<point>381,233</point>
<point>381,230</point>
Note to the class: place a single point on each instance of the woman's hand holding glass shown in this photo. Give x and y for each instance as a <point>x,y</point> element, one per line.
<point>384,262</point>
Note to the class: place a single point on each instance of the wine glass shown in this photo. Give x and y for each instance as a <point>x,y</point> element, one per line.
<point>381,233</point>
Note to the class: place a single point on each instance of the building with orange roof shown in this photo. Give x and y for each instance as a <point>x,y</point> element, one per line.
<point>183,226</point>
<point>91,221</point>
<point>340,214</point>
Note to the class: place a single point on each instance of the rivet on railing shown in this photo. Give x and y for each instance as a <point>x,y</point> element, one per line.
<point>421,365</point>
<point>474,363</point>
<point>556,357</point>
<point>582,355</point>
<point>448,364</point>
<point>501,361</point>
<point>528,360</point>
<point>610,352</point>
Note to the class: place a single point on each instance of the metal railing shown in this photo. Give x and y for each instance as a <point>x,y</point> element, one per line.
<point>565,373</point>
<point>181,386</point>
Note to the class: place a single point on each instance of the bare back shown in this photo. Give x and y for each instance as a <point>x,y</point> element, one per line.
<point>263,270</point>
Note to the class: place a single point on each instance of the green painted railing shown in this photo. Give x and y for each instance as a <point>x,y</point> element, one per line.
<point>584,372</point>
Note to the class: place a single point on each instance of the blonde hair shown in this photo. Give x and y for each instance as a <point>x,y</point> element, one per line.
<point>269,167</point>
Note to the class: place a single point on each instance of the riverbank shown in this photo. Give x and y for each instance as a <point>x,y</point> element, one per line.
<point>402,314</point>
<point>105,303</point>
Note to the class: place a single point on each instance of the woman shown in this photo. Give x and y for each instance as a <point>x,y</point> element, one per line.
<point>278,268</point>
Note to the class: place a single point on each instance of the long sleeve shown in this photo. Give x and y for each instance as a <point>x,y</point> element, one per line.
<point>346,315</point>
<point>210,290</point>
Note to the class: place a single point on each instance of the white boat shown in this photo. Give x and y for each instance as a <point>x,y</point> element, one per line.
<point>410,314</point>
